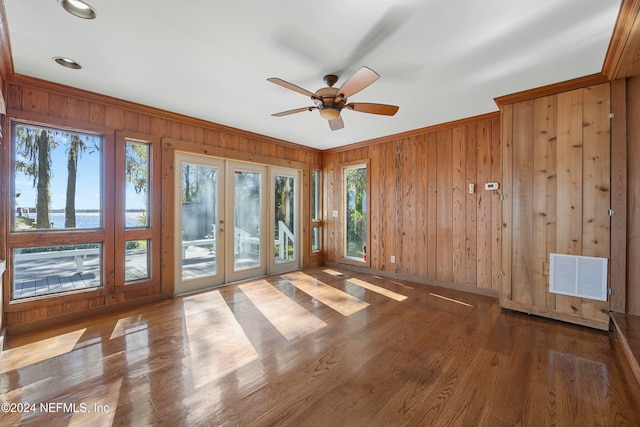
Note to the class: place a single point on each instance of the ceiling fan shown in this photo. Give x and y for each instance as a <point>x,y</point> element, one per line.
<point>330,101</point>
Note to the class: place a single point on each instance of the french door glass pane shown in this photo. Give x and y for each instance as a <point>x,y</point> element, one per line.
<point>247,217</point>
<point>285,241</point>
<point>356,208</point>
<point>137,174</point>
<point>136,260</point>
<point>199,218</point>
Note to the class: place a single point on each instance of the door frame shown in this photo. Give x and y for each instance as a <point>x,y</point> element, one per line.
<point>197,284</point>
<point>231,274</point>
<point>282,267</point>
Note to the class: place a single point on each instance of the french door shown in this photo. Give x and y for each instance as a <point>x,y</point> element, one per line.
<point>234,220</point>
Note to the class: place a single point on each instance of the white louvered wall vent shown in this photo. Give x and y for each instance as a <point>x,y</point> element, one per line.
<point>579,276</point>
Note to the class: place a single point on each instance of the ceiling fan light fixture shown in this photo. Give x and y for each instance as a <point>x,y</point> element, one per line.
<point>67,63</point>
<point>330,113</point>
<point>79,8</point>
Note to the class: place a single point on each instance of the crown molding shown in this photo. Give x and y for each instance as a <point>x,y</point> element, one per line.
<point>622,58</point>
<point>552,89</point>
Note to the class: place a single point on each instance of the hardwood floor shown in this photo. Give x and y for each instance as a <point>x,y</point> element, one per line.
<point>243,355</point>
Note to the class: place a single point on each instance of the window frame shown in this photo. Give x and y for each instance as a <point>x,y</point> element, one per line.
<point>42,238</point>
<point>151,233</point>
<point>316,222</point>
<point>112,236</point>
<point>343,213</point>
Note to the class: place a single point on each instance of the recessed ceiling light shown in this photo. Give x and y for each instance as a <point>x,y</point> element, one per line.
<point>66,62</point>
<point>79,8</point>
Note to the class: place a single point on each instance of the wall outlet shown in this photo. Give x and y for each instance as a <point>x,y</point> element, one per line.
<point>393,259</point>
<point>472,188</point>
<point>335,214</point>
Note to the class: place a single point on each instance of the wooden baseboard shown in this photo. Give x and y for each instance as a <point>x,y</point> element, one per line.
<point>415,279</point>
<point>603,325</point>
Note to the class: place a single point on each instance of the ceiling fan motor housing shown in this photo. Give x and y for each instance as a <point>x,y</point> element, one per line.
<point>328,104</point>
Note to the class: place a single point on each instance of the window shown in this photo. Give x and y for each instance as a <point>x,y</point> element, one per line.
<point>57,180</point>
<point>316,209</point>
<point>57,225</point>
<point>82,213</point>
<point>137,221</point>
<point>355,208</point>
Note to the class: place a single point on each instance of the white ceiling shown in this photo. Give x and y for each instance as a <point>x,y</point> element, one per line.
<point>439,60</point>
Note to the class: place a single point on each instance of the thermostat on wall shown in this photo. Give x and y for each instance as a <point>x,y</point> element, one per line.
<point>491,186</point>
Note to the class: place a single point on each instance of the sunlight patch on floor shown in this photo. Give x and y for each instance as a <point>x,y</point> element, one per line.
<point>338,300</point>
<point>450,299</point>
<point>287,316</point>
<point>377,289</point>
<point>217,343</point>
<point>39,351</point>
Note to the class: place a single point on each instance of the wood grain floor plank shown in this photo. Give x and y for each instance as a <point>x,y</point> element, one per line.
<point>377,289</point>
<point>217,343</point>
<point>216,359</point>
<point>290,319</point>
<point>341,302</point>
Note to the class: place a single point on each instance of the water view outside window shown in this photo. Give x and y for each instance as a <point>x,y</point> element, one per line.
<point>355,190</point>
<point>57,180</point>
<point>136,190</point>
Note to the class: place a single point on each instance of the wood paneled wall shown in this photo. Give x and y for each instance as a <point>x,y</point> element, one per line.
<point>633,195</point>
<point>556,172</point>
<point>48,103</point>
<point>421,209</point>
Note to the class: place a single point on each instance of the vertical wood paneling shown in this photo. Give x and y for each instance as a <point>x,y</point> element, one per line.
<point>522,273</point>
<point>484,241</point>
<point>619,169</point>
<point>496,208</point>
<point>543,142</point>
<point>432,203</point>
<point>506,290</point>
<point>408,168</point>
<point>391,207</point>
<point>596,184</point>
<point>422,212</point>
<point>376,242</point>
<point>444,220</point>
<point>633,196</point>
<point>559,199</point>
<point>569,206</point>
<point>471,228</point>
<point>422,188</point>
<point>459,205</point>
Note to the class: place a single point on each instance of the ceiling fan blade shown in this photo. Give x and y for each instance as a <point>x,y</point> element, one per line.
<point>291,86</point>
<point>358,81</point>
<point>388,24</point>
<point>297,110</point>
<point>336,124</point>
<point>366,107</point>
